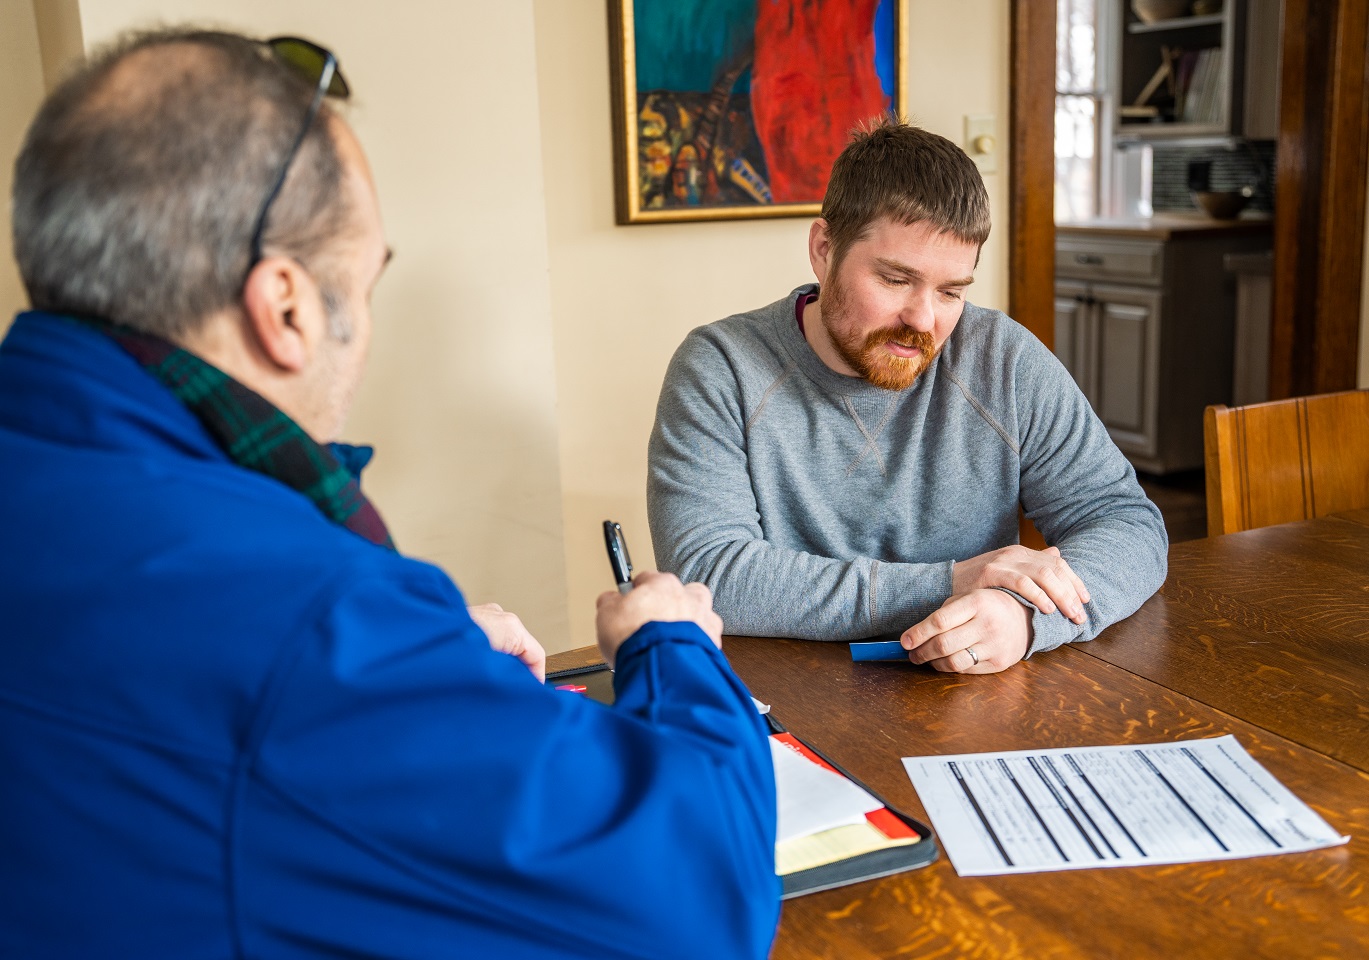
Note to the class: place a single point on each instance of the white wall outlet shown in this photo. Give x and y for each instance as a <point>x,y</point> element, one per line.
<point>981,141</point>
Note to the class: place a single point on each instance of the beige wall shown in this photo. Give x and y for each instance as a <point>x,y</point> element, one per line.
<point>460,396</point>
<point>958,64</point>
<point>521,337</point>
<point>61,40</point>
<point>624,297</point>
<point>21,90</point>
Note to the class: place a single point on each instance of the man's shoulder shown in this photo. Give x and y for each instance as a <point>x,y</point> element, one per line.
<point>985,327</point>
<point>1006,374</point>
<point>746,330</point>
<point>990,348</point>
<point>252,530</point>
<point>746,344</point>
<point>287,532</point>
<point>340,584</point>
<point>200,567</point>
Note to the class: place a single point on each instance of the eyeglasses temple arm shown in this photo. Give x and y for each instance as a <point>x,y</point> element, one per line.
<point>324,81</point>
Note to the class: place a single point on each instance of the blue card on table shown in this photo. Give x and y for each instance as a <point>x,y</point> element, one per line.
<point>878,650</point>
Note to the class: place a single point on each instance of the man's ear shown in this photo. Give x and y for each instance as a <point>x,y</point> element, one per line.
<point>819,249</point>
<point>283,309</point>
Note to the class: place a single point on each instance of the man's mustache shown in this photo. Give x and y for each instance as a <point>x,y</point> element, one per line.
<point>917,339</point>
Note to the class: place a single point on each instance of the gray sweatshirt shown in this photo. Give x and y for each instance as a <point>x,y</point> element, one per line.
<point>819,506</point>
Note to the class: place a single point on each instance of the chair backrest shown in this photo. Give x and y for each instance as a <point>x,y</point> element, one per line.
<point>1286,460</point>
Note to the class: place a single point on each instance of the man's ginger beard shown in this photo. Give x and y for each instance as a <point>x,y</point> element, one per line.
<point>865,354</point>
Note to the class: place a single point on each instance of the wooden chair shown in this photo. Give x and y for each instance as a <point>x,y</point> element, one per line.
<point>1286,460</point>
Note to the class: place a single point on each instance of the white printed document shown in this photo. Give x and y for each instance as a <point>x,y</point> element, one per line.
<point>1032,810</point>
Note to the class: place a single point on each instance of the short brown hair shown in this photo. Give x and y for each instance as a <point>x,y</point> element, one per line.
<point>894,169</point>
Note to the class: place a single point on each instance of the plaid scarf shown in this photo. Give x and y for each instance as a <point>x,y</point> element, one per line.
<point>253,432</point>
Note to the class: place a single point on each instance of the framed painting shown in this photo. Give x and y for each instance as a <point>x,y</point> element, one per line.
<point>727,109</point>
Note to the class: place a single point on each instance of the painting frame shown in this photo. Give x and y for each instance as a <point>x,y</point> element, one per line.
<point>627,168</point>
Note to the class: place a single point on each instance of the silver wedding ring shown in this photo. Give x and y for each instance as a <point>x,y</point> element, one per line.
<point>973,656</point>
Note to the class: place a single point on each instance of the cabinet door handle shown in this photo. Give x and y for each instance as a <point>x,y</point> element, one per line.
<point>1086,258</point>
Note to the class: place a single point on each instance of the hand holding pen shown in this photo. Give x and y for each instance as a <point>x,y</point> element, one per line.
<point>649,597</point>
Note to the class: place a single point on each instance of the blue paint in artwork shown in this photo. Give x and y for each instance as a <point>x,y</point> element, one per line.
<point>683,44</point>
<point>886,43</point>
<point>743,84</point>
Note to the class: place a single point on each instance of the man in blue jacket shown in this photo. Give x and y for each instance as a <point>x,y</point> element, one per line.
<point>234,721</point>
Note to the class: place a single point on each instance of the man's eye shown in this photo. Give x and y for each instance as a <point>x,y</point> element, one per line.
<point>951,294</point>
<point>895,281</point>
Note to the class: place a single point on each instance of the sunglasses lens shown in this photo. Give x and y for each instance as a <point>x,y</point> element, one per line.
<point>308,59</point>
<point>337,87</point>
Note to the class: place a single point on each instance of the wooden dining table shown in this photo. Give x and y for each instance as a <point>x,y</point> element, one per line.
<point>1262,634</point>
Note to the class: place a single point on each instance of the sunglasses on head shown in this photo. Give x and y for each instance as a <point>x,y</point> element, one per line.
<point>318,66</point>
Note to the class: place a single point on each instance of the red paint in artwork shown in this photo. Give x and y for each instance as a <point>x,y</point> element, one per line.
<point>812,82</point>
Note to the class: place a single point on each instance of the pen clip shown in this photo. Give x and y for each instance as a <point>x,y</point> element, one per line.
<point>618,556</point>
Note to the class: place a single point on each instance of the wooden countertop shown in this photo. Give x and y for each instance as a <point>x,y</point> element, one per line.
<point>1165,226</point>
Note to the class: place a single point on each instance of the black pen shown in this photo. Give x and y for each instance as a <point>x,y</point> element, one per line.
<point>618,556</point>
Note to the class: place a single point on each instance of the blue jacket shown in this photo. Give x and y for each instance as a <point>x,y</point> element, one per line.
<point>229,728</point>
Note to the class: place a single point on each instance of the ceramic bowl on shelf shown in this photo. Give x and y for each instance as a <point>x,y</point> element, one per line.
<point>1149,11</point>
<point>1223,205</point>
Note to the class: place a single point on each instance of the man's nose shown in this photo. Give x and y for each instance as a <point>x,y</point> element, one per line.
<point>919,312</point>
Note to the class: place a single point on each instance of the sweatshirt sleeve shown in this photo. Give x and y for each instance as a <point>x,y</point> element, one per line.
<point>706,526</point>
<point>1083,496</point>
<point>431,780</point>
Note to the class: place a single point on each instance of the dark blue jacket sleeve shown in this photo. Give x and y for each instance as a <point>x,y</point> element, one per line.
<point>411,792</point>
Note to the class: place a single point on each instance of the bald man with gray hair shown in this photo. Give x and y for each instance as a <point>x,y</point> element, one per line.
<point>234,719</point>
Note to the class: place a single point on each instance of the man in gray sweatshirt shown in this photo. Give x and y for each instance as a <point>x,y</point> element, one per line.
<point>848,461</point>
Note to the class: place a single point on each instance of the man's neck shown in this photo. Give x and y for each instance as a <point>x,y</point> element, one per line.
<point>223,341</point>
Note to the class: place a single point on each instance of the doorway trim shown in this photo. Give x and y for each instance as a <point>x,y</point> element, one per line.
<point>1320,177</point>
<point>1031,173</point>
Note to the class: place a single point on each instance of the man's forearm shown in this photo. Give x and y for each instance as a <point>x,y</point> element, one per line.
<point>761,589</point>
<point>1123,561</point>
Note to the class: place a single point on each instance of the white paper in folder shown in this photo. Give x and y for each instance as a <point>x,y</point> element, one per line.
<point>813,798</point>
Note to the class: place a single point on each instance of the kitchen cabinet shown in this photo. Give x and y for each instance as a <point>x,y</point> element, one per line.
<point>1254,307</point>
<point>1108,337</point>
<point>1145,321</point>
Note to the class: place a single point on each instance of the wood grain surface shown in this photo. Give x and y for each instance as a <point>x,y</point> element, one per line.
<point>868,716</point>
<point>1271,625</point>
<point>1263,634</point>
